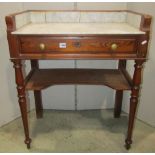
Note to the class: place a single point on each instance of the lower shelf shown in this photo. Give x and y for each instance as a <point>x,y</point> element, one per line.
<point>43,78</point>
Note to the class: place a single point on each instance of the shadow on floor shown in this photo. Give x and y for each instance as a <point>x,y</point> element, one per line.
<point>76,131</point>
<point>80,120</point>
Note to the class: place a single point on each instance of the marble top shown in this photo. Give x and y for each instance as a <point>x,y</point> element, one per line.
<point>77,28</point>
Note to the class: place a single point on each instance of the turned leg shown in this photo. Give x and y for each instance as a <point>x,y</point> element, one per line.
<point>119,93</point>
<point>37,93</point>
<point>22,98</point>
<point>133,101</point>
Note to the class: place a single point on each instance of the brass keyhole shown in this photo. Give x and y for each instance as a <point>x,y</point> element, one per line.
<point>77,44</point>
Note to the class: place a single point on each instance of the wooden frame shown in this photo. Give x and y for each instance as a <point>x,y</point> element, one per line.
<point>133,84</point>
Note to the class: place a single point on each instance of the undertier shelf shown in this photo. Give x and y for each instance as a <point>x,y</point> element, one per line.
<point>42,78</point>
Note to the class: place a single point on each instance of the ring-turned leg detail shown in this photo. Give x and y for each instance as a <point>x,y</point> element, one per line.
<point>22,98</point>
<point>133,101</point>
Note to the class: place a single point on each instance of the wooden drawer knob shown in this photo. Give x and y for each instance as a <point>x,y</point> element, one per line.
<point>42,46</point>
<point>114,46</point>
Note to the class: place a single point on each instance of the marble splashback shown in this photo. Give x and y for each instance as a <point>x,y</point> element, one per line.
<point>82,17</point>
<point>22,19</point>
<point>62,17</point>
<point>37,17</point>
<point>77,17</point>
<point>133,19</point>
<point>103,17</point>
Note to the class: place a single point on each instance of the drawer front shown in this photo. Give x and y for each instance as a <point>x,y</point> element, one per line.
<point>76,45</point>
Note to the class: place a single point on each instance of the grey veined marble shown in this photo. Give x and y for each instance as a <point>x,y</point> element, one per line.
<point>78,28</point>
<point>77,22</point>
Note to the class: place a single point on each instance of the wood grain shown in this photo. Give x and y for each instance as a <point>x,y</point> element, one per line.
<point>43,78</point>
<point>130,47</point>
<point>74,45</point>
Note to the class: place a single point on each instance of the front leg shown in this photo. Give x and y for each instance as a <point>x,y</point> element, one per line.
<point>22,98</point>
<point>133,101</point>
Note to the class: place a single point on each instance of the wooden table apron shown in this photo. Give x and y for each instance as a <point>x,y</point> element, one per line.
<point>27,47</point>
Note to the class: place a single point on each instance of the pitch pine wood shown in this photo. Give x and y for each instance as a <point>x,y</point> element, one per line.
<point>80,47</point>
<point>43,78</point>
<point>37,93</point>
<point>119,93</point>
<point>74,45</point>
<point>22,98</point>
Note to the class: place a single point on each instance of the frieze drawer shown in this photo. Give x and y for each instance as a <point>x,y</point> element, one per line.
<point>74,45</point>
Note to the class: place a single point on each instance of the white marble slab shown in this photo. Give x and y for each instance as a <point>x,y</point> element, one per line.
<point>78,28</point>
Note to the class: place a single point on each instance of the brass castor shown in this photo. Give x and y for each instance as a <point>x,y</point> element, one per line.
<point>128,144</point>
<point>28,143</point>
<point>28,146</point>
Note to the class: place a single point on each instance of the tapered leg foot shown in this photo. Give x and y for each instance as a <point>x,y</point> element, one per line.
<point>38,103</point>
<point>128,144</point>
<point>28,143</point>
<point>117,115</point>
<point>40,114</point>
